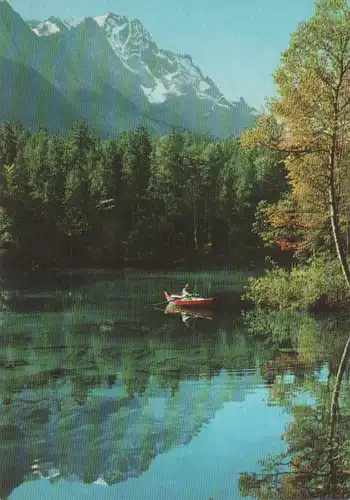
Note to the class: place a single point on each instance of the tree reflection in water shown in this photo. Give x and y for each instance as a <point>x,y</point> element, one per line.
<point>94,386</point>
<point>316,463</point>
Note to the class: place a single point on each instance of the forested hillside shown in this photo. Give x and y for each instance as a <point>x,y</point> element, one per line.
<point>79,200</point>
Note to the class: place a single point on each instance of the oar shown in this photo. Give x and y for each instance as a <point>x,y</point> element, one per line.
<point>158,304</point>
<point>161,303</point>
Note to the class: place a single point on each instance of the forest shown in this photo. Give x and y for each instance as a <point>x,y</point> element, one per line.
<point>308,122</point>
<point>273,203</point>
<point>276,197</point>
<point>77,200</point>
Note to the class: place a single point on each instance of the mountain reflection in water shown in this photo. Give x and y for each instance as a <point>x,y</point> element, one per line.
<point>96,388</point>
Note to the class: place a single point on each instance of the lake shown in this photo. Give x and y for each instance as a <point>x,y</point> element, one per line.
<point>105,396</point>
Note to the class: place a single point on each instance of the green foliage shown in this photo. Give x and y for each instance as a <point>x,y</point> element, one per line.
<point>6,234</point>
<point>308,123</point>
<point>318,285</point>
<point>7,143</point>
<point>276,326</point>
<point>80,200</point>
<point>312,465</point>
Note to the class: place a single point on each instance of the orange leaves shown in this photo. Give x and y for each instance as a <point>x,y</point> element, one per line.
<point>290,214</point>
<point>289,246</point>
<point>311,115</point>
<point>289,225</point>
<point>281,216</point>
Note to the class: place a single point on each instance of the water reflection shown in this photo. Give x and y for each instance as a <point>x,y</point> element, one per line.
<point>316,463</point>
<point>95,388</point>
<point>94,385</point>
<point>189,315</point>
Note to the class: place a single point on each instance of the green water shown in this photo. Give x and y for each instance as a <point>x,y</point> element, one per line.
<point>104,397</point>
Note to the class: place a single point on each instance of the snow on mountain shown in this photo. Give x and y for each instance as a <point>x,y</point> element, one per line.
<point>161,72</point>
<point>54,25</point>
<point>116,77</point>
<point>156,94</point>
<point>164,73</point>
<point>73,23</point>
<point>47,28</point>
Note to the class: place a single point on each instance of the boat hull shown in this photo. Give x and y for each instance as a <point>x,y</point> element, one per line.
<point>193,303</point>
<point>200,312</point>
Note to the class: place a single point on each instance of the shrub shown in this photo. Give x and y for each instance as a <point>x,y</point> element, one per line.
<point>319,285</point>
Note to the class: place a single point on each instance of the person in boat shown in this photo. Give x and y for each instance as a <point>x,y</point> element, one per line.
<point>187,292</point>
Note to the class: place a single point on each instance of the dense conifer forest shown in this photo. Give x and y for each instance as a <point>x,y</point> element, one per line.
<point>77,200</point>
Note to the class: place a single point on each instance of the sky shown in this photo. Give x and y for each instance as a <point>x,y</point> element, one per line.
<point>237,43</point>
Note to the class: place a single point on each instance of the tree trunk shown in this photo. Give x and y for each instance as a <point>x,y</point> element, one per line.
<point>195,226</point>
<point>132,215</point>
<point>335,218</point>
<point>334,417</point>
<point>210,236</point>
<point>334,411</point>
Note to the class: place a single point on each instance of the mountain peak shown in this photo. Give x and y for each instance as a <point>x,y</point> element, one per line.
<point>120,30</point>
<point>162,74</point>
<point>123,78</point>
<point>46,28</point>
<point>110,16</point>
<point>54,25</point>
<point>102,19</point>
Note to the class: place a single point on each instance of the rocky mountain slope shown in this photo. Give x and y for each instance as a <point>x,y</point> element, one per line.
<point>109,71</point>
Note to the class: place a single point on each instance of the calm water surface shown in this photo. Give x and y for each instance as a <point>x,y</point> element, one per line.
<point>103,397</point>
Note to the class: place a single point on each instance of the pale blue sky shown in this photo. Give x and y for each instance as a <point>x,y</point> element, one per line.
<point>237,43</point>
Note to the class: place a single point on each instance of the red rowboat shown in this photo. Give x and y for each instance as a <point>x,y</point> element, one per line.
<point>193,302</point>
<point>201,312</point>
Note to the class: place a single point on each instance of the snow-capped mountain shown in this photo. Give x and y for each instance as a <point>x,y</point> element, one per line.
<point>54,25</point>
<point>162,72</point>
<point>117,76</point>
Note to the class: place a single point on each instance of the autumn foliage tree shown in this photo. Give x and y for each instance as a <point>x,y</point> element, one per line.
<point>309,122</point>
